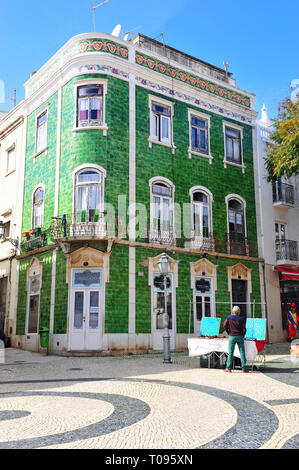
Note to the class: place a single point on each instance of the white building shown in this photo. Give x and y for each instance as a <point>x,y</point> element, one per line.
<point>278,231</point>
<point>12,142</point>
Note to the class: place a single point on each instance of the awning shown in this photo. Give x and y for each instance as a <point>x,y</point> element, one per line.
<point>288,274</point>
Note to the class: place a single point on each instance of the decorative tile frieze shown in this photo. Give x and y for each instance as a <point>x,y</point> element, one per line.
<point>192,100</point>
<point>197,82</point>
<point>101,45</point>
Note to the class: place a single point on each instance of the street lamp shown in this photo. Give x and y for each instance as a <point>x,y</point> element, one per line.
<point>164,268</point>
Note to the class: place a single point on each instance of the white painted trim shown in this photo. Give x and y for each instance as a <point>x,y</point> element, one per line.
<point>96,82</point>
<point>44,109</point>
<point>42,186</point>
<point>86,166</point>
<point>53,288</point>
<point>58,151</point>
<point>40,264</point>
<point>162,179</point>
<point>168,104</point>
<point>240,129</point>
<point>243,202</point>
<point>211,200</point>
<point>213,277</point>
<point>205,117</point>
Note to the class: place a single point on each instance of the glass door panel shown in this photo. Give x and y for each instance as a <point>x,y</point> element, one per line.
<point>78,310</point>
<point>93,309</point>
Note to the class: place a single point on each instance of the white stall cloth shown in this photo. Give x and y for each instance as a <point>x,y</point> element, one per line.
<point>202,346</point>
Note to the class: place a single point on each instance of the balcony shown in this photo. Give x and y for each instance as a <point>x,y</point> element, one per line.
<point>286,252</point>
<point>203,241</point>
<point>81,225</point>
<point>161,236</point>
<point>34,239</point>
<point>283,195</point>
<point>237,244</point>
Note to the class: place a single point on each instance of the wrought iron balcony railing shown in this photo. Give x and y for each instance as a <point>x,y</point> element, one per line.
<point>286,250</point>
<point>237,244</point>
<point>161,236</point>
<point>202,241</point>
<point>88,224</point>
<point>283,193</point>
<point>34,239</point>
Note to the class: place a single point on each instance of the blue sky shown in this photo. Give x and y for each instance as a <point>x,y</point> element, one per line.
<point>259,38</point>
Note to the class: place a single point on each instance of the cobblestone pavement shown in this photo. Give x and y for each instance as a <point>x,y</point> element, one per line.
<point>137,402</point>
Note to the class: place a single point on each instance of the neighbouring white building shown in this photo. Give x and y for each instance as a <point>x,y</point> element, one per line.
<point>12,142</point>
<point>278,232</point>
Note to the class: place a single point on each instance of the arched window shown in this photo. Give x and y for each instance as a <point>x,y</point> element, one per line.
<point>38,207</point>
<point>162,192</point>
<point>237,241</point>
<point>236,220</point>
<point>89,194</point>
<point>201,213</point>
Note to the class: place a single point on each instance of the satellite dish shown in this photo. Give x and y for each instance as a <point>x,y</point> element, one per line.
<point>116,31</point>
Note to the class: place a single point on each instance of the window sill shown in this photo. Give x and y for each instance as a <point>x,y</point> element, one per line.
<point>40,152</point>
<point>238,165</point>
<point>199,154</point>
<point>103,128</point>
<point>152,141</point>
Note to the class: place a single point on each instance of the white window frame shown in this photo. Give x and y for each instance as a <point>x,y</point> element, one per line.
<point>29,294</point>
<point>91,82</point>
<point>211,295</point>
<point>203,117</point>
<point>39,186</point>
<point>100,224</point>
<point>203,269</point>
<point>8,150</point>
<point>152,138</point>
<point>226,162</point>
<point>42,149</point>
<point>209,195</point>
<point>168,183</point>
<point>243,202</point>
<point>280,223</point>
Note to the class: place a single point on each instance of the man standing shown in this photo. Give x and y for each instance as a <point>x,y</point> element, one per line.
<point>293,321</point>
<point>235,326</point>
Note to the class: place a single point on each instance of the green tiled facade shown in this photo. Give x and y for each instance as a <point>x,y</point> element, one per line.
<point>113,152</point>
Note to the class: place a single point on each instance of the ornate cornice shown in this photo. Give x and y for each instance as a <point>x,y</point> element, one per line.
<point>192,80</point>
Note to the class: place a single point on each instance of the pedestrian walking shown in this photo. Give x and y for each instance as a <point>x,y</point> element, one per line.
<point>293,321</point>
<point>235,326</point>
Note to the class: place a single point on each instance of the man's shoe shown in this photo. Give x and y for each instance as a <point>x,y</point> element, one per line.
<point>227,370</point>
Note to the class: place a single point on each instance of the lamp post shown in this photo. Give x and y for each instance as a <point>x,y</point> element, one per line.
<point>164,268</point>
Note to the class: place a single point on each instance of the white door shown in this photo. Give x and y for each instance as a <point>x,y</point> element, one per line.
<point>158,300</point>
<point>86,310</point>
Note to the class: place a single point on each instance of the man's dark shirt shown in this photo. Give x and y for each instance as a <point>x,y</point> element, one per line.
<point>235,325</point>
